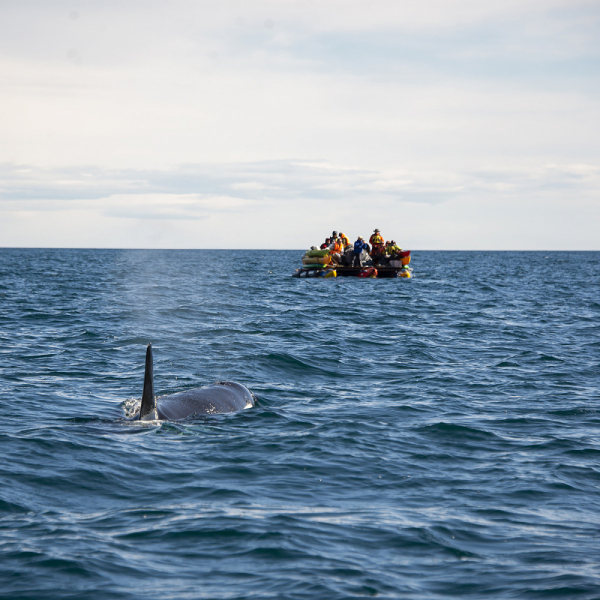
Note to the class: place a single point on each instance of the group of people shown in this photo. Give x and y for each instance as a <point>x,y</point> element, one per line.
<point>343,252</point>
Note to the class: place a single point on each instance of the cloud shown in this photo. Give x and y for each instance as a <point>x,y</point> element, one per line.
<point>169,207</point>
<point>204,115</point>
<point>243,186</point>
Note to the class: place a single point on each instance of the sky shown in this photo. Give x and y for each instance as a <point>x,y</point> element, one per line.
<point>447,124</point>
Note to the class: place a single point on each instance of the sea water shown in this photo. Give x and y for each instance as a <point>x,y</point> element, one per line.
<point>437,437</point>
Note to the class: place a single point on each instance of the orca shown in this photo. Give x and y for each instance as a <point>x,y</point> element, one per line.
<point>222,397</point>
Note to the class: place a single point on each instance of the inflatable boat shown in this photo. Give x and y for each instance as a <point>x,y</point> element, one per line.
<point>320,263</point>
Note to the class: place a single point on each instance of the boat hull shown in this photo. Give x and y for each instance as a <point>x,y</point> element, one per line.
<point>382,272</point>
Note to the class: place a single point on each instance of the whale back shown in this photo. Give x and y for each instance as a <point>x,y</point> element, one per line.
<point>224,397</point>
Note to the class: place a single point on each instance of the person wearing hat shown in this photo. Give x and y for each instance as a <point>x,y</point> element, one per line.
<point>377,243</point>
<point>376,239</point>
<point>359,246</point>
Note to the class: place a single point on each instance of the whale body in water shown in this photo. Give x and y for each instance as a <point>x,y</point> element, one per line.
<point>222,397</point>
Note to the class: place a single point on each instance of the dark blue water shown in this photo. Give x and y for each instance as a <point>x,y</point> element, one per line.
<point>437,437</point>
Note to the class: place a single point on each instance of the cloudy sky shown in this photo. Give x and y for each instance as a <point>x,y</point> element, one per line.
<point>448,124</point>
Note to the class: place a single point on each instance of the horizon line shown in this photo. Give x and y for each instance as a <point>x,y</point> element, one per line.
<point>284,249</point>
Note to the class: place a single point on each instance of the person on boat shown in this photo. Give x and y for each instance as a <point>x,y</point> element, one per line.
<point>377,244</point>
<point>335,250</point>
<point>326,243</point>
<point>335,246</point>
<point>376,239</point>
<point>391,248</point>
<point>344,240</point>
<point>359,246</point>
<point>348,255</point>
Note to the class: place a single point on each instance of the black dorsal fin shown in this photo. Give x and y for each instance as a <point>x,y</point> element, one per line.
<point>148,397</point>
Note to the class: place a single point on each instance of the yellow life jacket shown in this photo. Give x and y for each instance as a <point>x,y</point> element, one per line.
<point>376,240</point>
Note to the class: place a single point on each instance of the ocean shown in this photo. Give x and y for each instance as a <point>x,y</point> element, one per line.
<point>425,438</point>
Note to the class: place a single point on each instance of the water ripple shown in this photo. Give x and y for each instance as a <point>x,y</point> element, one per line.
<point>425,439</point>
